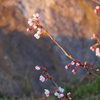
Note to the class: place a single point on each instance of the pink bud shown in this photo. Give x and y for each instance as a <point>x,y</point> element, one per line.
<point>68,94</point>
<point>29,29</point>
<point>74,71</point>
<point>70,98</point>
<point>67,66</point>
<point>97,7</point>
<point>47,92</point>
<point>37,67</point>
<point>37,35</point>
<point>94,37</point>
<point>98,52</point>
<point>97,70</point>
<point>95,11</point>
<point>35,26</point>
<point>73,62</point>
<point>77,64</point>
<point>86,67</point>
<point>92,48</point>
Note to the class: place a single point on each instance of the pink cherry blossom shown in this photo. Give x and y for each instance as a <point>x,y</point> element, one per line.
<point>36,16</point>
<point>29,29</point>
<point>98,52</point>
<point>97,7</point>
<point>47,92</point>
<point>97,69</point>
<point>73,62</point>
<point>77,64</point>
<point>42,78</point>
<point>68,94</point>
<point>70,98</point>
<point>67,66</point>
<point>37,67</point>
<point>30,21</point>
<point>96,10</point>
<point>74,71</point>
<point>92,47</point>
<point>59,95</point>
<point>35,26</point>
<point>37,36</point>
<point>60,89</point>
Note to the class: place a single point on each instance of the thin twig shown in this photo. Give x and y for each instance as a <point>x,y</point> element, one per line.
<point>96,1</point>
<point>94,73</point>
<point>54,83</point>
<point>66,54</point>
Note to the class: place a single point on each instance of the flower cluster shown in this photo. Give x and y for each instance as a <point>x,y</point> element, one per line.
<point>94,47</point>
<point>45,75</point>
<point>34,24</point>
<point>77,63</point>
<point>47,92</point>
<point>59,92</point>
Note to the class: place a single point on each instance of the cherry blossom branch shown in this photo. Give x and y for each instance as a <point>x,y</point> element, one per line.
<point>69,56</point>
<point>34,24</point>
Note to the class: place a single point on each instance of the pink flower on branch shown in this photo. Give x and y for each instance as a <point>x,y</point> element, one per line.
<point>59,95</point>
<point>60,89</point>
<point>78,64</point>
<point>68,94</point>
<point>74,71</point>
<point>93,47</point>
<point>98,52</point>
<point>42,78</point>
<point>47,92</point>
<point>97,9</point>
<point>39,33</point>
<point>36,16</point>
<point>93,37</point>
<point>37,67</point>
<point>67,66</point>
<point>29,29</point>
<point>97,70</point>
<point>73,63</point>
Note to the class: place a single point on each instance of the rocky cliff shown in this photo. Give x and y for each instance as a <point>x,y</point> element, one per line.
<point>70,22</point>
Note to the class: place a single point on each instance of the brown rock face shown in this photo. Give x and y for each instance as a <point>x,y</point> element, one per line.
<point>71,23</point>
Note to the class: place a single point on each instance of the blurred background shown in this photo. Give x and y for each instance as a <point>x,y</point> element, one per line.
<point>71,23</point>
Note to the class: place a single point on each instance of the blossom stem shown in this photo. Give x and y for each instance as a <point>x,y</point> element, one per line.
<point>66,54</point>
<point>54,83</point>
<point>95,1</point>
<point>93,73</point>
